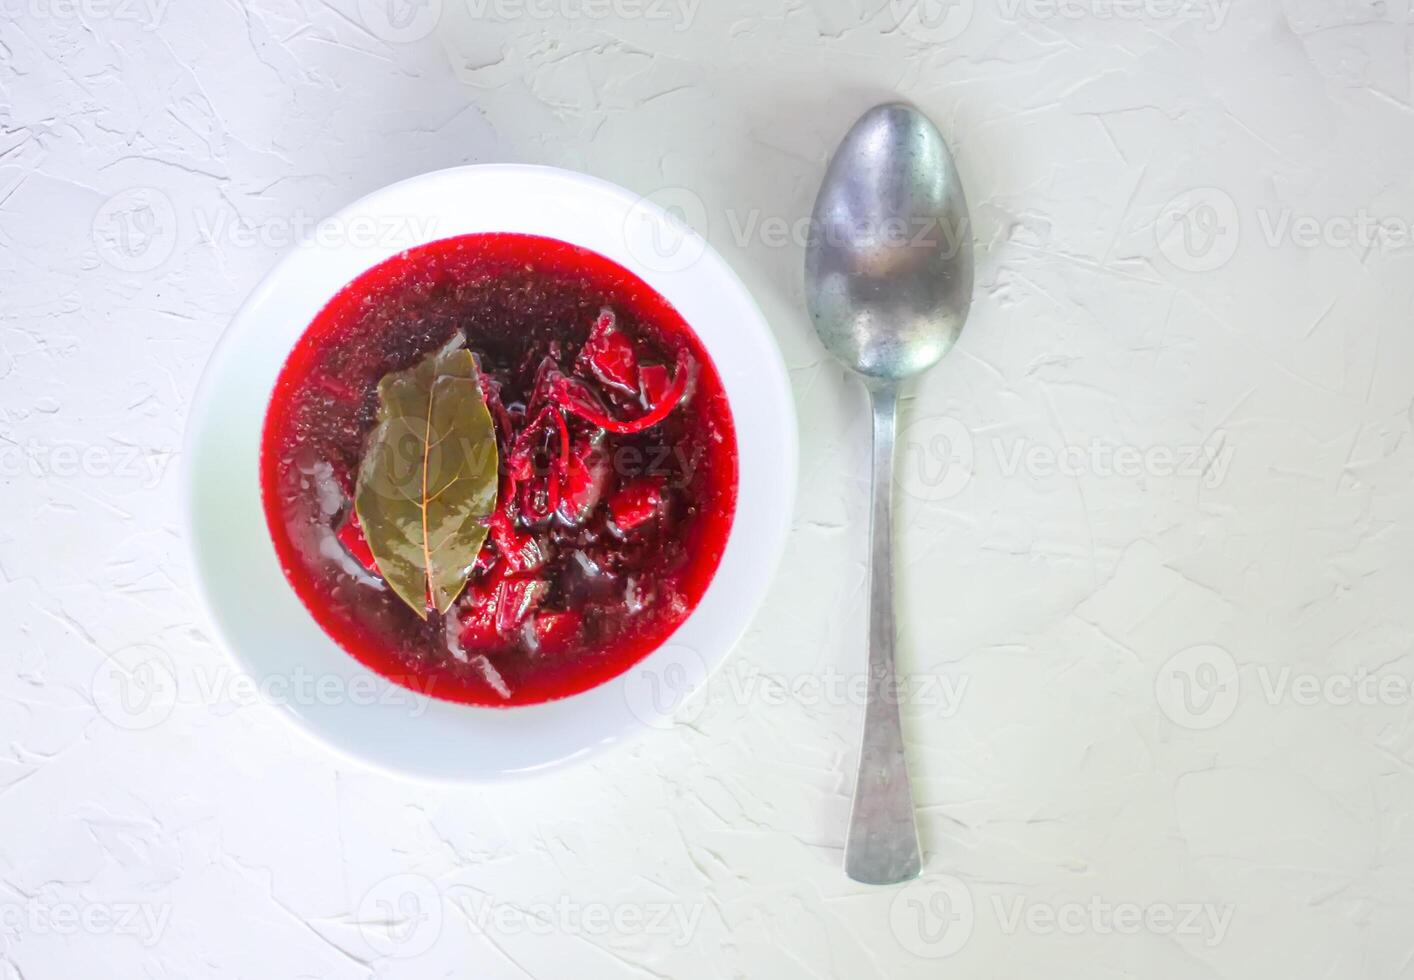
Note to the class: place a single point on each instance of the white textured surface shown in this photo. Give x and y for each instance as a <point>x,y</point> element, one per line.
<point>1163,725</point>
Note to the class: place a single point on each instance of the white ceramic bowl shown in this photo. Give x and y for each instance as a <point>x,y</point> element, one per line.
<point>267,629</point>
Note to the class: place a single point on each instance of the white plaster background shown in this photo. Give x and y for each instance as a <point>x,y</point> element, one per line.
<point>1071,771</point>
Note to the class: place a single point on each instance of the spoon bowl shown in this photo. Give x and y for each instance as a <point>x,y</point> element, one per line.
<point>888,268</point>
<point>888,281</point>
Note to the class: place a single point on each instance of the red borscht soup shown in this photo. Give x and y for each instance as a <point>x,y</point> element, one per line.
<point>499,469</point>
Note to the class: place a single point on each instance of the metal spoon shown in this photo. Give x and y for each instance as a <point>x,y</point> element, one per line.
<point>888,280</point>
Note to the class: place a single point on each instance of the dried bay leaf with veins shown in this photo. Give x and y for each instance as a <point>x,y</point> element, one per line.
<point>427,482</point>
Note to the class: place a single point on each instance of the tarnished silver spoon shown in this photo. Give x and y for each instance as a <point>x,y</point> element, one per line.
<point>888,280</point>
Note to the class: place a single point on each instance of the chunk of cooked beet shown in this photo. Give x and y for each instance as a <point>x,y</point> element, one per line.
<point>654,383</point>
<point>350,535</point>
<point>608,355</point>
<point>517,599</point>
<point>586,479</point>
<point>522,552</point>
<point>579,398</point>
<point>636,504</point>
<point>551,632</point>
<point>478,614</point>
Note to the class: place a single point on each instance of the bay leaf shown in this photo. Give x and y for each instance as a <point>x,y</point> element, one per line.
<point>427,482</point>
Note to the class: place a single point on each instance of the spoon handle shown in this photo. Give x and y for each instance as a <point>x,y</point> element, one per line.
<point>882,847</point>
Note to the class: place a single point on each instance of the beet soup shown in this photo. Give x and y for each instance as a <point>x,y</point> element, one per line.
<point>499,469</point>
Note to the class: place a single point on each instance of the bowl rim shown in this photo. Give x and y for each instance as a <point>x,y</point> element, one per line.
<point>776,496</point>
